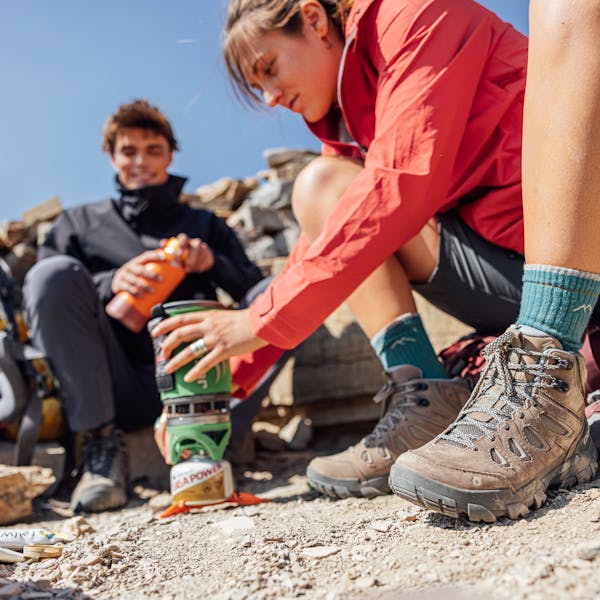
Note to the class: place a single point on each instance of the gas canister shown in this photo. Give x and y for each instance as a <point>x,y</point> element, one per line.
<point>198,423</point>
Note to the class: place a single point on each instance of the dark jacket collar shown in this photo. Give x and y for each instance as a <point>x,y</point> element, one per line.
<point>153,201</point>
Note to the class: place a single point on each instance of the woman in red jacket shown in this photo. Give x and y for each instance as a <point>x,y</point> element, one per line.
<point>419,108</point>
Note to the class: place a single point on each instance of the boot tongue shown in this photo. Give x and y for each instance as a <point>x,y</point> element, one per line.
<point>397,375</point>
<point>404,373</point>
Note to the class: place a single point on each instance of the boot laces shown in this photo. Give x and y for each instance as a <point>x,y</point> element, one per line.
<point>394,398</point>
<point>501,392</point>
<point>100,452</point>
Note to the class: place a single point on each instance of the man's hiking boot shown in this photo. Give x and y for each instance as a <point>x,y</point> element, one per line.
<point>592,413</point>
<point>103,484</point>
<point>413,411</point>
<point>522,431</point>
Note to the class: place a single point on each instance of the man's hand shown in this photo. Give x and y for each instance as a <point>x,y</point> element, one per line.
<point>135,276</point>
<point>200,257</point>
<point>226,333</point>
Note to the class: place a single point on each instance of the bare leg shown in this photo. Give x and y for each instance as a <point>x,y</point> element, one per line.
<point>386,293</point>
<point>561,147</point>
<point>561,189</point>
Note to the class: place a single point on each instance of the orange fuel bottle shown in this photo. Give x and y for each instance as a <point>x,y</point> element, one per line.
<point>134,312</point>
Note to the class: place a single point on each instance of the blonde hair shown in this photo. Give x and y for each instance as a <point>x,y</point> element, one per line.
<point>248,19</point>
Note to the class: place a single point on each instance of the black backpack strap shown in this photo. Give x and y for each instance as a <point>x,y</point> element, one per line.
<point>29,429</point>
<point>31,420</point>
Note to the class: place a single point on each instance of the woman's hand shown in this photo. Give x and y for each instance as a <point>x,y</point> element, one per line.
<point>225,333</point>
<point>135,277</point>
<point>161,437</point>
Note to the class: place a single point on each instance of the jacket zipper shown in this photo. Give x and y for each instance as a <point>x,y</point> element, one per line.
<point>352,142</point>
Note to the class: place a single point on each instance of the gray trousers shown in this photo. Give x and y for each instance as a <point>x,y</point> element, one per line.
<point>98,381</point>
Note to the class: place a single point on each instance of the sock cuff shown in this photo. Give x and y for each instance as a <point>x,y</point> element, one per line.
<point>551,269</point>
<point>408,318</point>
<point>567,279</point>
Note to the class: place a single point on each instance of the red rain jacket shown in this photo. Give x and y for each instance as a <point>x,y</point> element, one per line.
<point>431,91</point>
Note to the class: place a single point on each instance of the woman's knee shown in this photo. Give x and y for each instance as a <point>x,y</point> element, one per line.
<point>317,189</point>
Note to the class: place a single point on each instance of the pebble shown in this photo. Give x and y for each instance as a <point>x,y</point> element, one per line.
<point>160,502</point>
<point>78,526</point>
<point>383,526</point>
<point>320,551</point>
<point>10,590</point>
<point>589,552</point>
<point>366,582</point>
<point>229,526</point>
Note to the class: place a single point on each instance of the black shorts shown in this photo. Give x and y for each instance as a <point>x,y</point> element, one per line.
<point>475,281</point>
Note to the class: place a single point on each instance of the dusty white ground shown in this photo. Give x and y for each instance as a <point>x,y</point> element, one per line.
<point>301,545</point>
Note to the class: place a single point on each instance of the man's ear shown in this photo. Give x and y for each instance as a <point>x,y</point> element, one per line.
<point>314,16</point>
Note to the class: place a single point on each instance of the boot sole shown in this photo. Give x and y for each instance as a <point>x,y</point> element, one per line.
<point>490,505</point>
<point>348,488</point>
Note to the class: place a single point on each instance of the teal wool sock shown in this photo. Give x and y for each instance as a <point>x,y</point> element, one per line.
<point>404,342</point>
<point>558,301</point>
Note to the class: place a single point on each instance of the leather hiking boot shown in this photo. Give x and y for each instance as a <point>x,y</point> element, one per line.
<point>103,484</point>
<point>522,431</point>
<point>413,411</point>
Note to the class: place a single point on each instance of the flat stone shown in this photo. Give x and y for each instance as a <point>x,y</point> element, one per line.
<point>383,526</point>
<point>319,552</point>
<point>229,526</point>
<point>589,552</point>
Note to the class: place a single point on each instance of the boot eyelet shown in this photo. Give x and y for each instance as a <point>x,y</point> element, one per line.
<point>423,386</point>
<point>422,402</point>
<point>564,387</point>
<point>507,427</point>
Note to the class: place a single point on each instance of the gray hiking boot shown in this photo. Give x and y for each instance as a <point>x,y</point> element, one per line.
<point>103,485</point>
<point>414,410</point>
<point>522,431</point>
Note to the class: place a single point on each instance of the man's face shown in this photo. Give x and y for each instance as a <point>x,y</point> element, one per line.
<point>141,158</point>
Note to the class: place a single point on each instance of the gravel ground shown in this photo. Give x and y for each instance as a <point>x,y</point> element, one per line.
<point>301,545</point>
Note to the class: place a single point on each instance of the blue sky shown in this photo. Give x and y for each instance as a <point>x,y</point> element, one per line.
<point>67,64</point>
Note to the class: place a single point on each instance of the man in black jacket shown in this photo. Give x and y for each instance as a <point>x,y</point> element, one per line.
<point>94,251</point>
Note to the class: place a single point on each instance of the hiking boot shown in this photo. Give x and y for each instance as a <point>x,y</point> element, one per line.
<point>522,431</point>
<point>103,485</point>
<point>414,410</point>
<point>592,413</point>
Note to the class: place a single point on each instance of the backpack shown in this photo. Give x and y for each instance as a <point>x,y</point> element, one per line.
<point>25,376</point>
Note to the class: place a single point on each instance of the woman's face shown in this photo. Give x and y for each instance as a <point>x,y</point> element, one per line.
<point>298,72</point>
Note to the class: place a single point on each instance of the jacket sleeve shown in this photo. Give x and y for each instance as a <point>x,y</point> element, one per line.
<point>63,238</point>
<point>233,271</point>
<point>428,65</point>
